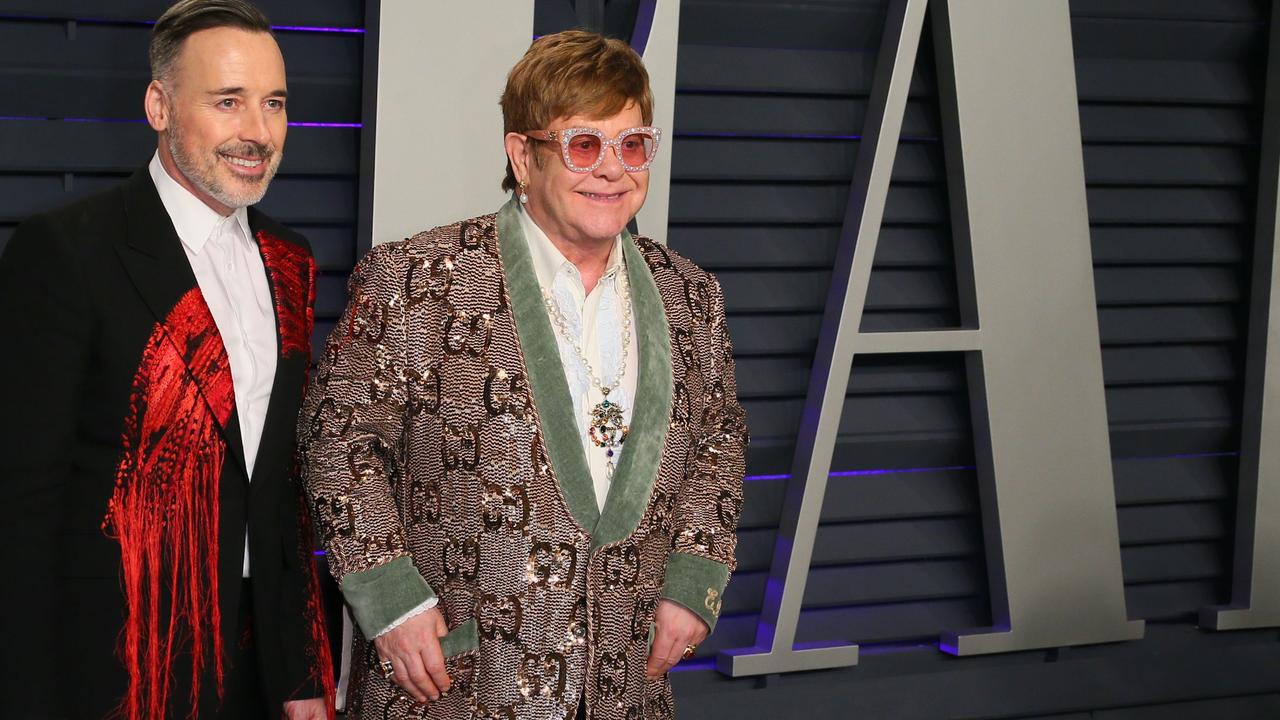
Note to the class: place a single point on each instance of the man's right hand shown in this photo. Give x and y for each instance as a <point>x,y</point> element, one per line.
<point>414,651</point>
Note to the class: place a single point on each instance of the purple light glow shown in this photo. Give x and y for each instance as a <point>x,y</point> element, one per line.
<point>644,26</point>
<point>149,23</point>
<point>311,29</point>
<point>16,118</point>
<point>326,125</point>
<point>895,648</point>
<point>949,468</point>
<point>766,136</point>
<point>817,645</point>
<point>767,477</point>
<point>789,136</point>
<point>100,120</point>
<point>895,471</point>
<point>695,664</point>
<point>10,118</point>
<point>878,471</point>
<point>82,21</point>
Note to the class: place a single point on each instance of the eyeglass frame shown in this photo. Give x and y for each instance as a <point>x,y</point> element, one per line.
<point>565,135</point>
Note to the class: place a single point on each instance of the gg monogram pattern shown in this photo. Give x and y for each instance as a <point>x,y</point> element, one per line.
<point>421,438</point>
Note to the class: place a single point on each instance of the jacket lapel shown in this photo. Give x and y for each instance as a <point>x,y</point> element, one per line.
<point>152,255</point>
<point>291,274</point>
<point>638,467</point>
<point>546,374</point>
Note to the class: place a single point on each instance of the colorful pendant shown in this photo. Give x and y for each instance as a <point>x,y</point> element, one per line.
<point>606,428</point>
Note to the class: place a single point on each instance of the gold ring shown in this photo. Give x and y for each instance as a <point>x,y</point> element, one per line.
<point>387,669</point>
<point>688,651</point>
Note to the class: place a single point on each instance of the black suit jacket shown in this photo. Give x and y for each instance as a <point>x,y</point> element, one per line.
<point>82,290</point>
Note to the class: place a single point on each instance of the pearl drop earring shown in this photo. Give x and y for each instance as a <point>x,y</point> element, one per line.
<point>524,197</point>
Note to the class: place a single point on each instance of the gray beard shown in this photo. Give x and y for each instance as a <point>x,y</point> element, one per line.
<point>205,177</point>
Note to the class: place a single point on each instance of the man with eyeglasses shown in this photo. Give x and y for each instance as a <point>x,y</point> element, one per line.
<point>524,446</point>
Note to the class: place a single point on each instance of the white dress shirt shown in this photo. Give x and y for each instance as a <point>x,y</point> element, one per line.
<point>229,270</point>
<point>594,320</point>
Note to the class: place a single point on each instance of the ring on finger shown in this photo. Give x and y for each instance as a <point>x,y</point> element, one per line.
<point>688,651</point>
<point>387,669</point>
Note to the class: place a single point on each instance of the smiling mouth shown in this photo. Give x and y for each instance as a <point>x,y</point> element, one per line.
<point>246,163</point>
<point>603,197</point>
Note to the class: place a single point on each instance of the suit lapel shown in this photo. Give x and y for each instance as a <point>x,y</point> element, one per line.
<point>638,467</point>
<point>291,279</point>
<point>546,373</point>
<point>152,255</point>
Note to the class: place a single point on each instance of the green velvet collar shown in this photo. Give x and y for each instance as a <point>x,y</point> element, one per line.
<point>546,374</point>
<point>637,469</point>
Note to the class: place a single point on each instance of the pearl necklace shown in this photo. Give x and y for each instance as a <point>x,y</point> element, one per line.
<point>605,428</point>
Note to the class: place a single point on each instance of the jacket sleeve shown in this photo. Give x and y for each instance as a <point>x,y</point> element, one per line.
<point>48,320</point>
<point>350,433</point>
<point>706,515</point>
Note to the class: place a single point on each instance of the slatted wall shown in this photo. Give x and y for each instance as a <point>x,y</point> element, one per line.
<point>1170,109</point>
<point>770,104</point>
<point>72,77</point>
<point>771,98</point>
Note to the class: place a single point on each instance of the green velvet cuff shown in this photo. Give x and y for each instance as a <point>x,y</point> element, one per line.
<point>696,583</point>
<point>462,639</point>
<point>379,596</point>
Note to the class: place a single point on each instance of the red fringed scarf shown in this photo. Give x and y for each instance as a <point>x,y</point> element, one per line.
<point>164,511</point>
<point>293,275</point>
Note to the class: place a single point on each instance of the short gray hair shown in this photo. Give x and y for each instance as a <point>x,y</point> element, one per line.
<point>187,17</point>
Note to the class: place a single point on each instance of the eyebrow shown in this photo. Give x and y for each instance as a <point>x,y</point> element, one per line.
<point>281,92</point>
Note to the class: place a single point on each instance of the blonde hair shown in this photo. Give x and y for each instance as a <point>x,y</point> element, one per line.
<point>572,73</point>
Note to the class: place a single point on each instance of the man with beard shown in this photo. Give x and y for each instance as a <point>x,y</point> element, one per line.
<point>159,340</point>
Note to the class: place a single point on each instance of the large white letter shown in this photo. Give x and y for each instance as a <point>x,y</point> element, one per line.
<point>1030,334</point>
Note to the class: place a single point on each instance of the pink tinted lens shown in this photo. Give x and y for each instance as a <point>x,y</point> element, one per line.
<point>584,150</point>
<point>637,149</point>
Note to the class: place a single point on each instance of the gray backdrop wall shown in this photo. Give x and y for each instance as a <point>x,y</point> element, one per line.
<point>771,97</point>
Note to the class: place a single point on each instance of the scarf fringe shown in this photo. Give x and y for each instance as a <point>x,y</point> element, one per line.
<point>164,510</point>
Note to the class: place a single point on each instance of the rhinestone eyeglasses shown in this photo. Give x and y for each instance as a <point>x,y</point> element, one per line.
<point>582,148</point>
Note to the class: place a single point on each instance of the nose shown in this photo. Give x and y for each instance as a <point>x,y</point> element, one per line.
<point>254,127</point>
<point>611,168</point>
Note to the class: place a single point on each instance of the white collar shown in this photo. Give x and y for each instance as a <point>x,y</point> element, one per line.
<point>548,261</point>
<point>194,221</point>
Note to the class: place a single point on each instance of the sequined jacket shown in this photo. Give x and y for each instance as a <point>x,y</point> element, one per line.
<point>442,458</point>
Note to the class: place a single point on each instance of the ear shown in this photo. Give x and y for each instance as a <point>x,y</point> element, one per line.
<point>520,153</point>
<point>156,107</point>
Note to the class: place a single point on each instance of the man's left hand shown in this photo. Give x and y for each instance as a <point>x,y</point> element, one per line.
<point>678,627</point>
<point>311,709</point>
